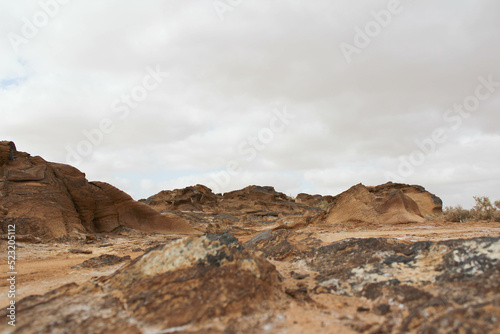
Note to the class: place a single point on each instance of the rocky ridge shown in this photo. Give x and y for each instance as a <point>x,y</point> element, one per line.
<point>55,201</point>
<point>369,260</point>
<point>257,208</point>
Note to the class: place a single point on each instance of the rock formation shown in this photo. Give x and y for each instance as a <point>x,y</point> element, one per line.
<point>214,284</point>
<point>52,201</point>
<point>241,211</point>
<point>209,280</point>
<point>256,208</point>
<point>196,198</point>
<point>368,260</point>
<point>449,286</point>
<point>389,203</point>
<point>433,287</point>
<point>314,200</point>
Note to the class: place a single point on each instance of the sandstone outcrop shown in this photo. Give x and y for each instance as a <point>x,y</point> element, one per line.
<point>257,208</point>
<point>196,198</point>
<point>53,201</point>
<point>246,210</point>
<point>389,203</point>
<point>210,281</point>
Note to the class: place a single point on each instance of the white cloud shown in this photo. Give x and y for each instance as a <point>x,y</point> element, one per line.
<point>353,121</point>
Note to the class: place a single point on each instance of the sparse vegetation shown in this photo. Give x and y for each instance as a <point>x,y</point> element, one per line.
<point>482,210</point>
<point>456,214</point>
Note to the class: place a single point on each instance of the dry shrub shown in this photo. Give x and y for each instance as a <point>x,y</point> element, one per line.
<point>456,214</point>
<point>482,210</point>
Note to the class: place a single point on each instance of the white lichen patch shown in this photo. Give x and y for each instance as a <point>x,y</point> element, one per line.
<point>179,254</point>
<point>492,251</point>
<point>424,267</point>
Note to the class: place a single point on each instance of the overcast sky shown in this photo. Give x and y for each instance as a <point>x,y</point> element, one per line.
<point>306,96</point>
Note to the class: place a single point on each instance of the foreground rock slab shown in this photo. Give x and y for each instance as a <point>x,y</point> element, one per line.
<point>450,286</point>
<point>174,287</point>
<point>315,284</point>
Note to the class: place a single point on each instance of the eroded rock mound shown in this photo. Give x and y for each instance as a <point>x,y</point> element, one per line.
<point>314,200</point>
<point>428,204</point>
<point>196,198</point>
<point>257,208</point>
<point>246,210</point>
<point>183,286</point>
<point>52,201</point>
<point>256,194</point>
<point>389,203</point>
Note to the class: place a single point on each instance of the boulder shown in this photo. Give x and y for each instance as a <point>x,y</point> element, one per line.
<point>191,285</point>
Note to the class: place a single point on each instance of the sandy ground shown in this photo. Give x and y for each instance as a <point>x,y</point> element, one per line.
<point>43,267</point>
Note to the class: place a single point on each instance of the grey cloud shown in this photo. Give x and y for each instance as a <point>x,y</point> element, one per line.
<point>353,121</point>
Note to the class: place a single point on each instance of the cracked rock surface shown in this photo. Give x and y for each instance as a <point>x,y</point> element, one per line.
<point>177,285</point>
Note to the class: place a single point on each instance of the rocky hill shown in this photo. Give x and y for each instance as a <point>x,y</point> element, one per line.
<point>390,203</point>
<point>49,201</point>
<point>242,211</point>
<point>257,208</point>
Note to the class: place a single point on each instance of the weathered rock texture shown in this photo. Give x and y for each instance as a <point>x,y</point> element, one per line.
<point>389,203</point>
<point>213,284</point>
<point>430,287</point>
<point>51,201</point>
<point>247,210</point>
<point>283,244</point>
<point>172,288</point>
<point>257,208</point>
<point>448,286</point>
<point>102,261</point>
